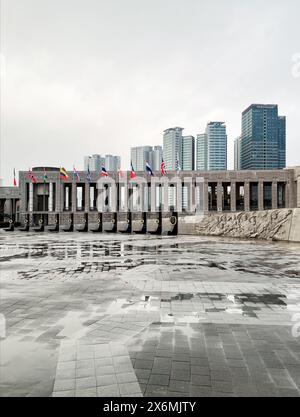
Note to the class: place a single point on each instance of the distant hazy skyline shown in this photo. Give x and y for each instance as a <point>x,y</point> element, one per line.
<point>101,76</point>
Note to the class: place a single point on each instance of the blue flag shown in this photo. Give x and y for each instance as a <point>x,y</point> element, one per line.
<point>149,169</point>
<point>88,175</point>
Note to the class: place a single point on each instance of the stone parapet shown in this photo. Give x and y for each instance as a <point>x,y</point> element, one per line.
<point>279,225</point>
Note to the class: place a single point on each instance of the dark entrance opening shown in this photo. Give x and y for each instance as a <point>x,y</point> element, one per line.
<point>253,196</point>
<point>267,195</point>
<point>212,196</point>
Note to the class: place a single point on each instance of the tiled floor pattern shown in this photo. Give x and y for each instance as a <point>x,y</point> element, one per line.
<point>216,360</point>
<point>117,315</point>
<point>95,370</point>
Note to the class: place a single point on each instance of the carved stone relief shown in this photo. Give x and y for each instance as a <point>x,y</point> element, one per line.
<point>273,224</point>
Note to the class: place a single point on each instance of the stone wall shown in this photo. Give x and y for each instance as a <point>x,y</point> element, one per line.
<point>283,224</point>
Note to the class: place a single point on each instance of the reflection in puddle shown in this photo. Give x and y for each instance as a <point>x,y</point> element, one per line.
<point>123,306</point>
<point>72,323</point>
<point>119,253</point>
<point>33,376</point>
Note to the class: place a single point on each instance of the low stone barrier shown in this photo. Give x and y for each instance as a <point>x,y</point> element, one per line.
<point>281,225</point>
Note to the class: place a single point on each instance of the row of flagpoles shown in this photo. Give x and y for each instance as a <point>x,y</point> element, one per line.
<point>64,174</point>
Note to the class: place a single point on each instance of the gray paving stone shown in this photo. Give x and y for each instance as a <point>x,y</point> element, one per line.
<point>199,370</point>
<point>108,391</point>
<point>200,391</point>
<point>105,370</point>
<point>85,372</point>
<point>129,388</point>
<point>105,380</point>
<point>159,380</point>
<point>89,392</point>
<point>202,380</point>
<point>69,393</point>
<point>126,377</point>
<point>143,364</point>
<point>179,386</point>
<point>64,385</point>
<point>83,383</point>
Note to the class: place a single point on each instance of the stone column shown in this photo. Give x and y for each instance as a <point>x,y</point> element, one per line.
<point>8,206</point>
<point>220,196</point>
<point>298,191</point>
<point>58,197</point>
<point>179,188</point>
<point>50,208</point>
<point>233,196</point>
<point>260,195</point>
<point>153,197</point>
<point>290,201</point>
<point>141,190</point>
<point>191,195</point>
<point>113,196</point>
<point>73,197</point>
<point>87,196</point>
<point>274,195</point>
<point>165,196</point>
<point>247,195</point>
<point>126,191</point>
<point>205,196</point>
<point>30,197</point>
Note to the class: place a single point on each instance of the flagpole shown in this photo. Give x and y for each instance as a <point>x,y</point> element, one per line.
<point>44,199</point>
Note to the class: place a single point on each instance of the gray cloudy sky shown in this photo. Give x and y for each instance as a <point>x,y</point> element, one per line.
<point>100,76</point>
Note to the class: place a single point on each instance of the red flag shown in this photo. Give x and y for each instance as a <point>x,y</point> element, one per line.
<point>104,173</point>
<point>162,168</point>
<point>132,173</point>
<point>15,181</point>
<point>32,177</point>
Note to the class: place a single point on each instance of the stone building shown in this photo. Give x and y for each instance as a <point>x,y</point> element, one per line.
<point>73,202</point>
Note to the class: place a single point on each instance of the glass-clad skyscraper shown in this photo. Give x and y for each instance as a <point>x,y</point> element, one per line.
<point>263,144</point>
<point>216,146</point>
<point>201,153</point>
<point>237,153</point>
<point>211,150</point>
<point>172,148</point>
<point>188,153</point>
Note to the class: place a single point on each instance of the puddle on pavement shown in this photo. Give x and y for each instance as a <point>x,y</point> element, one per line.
<point>110,254</point>
<point>33,376</point>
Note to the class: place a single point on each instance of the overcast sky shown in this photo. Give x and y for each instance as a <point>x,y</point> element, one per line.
<point>100,76</point>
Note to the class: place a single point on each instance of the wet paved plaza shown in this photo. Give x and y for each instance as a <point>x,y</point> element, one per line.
<point>116,315</point>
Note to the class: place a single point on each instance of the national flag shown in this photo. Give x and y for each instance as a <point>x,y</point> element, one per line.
<point>103,172</point>
<point>149,169</point>
<point>75,174</point>
<point>88,175</point>
<point>32,177</point>
<point>132,173</point>
<point>15,181</point>
<point>162,168</point>
<point>45,176</point>
<point>121,173</point>
<point>63,174</point>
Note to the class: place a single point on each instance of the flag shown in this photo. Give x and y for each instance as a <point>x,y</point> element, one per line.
<point>63,174</point>
<point>15,181</point>
<point>103,172</point>
<point>75,174</point>
<point>121,173</point>
<point>45,176</point>
<point>32,177</point>
<point>149,169</point>
<point>88,175</point>
<point>132,173</point>
<point>162,168</point>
